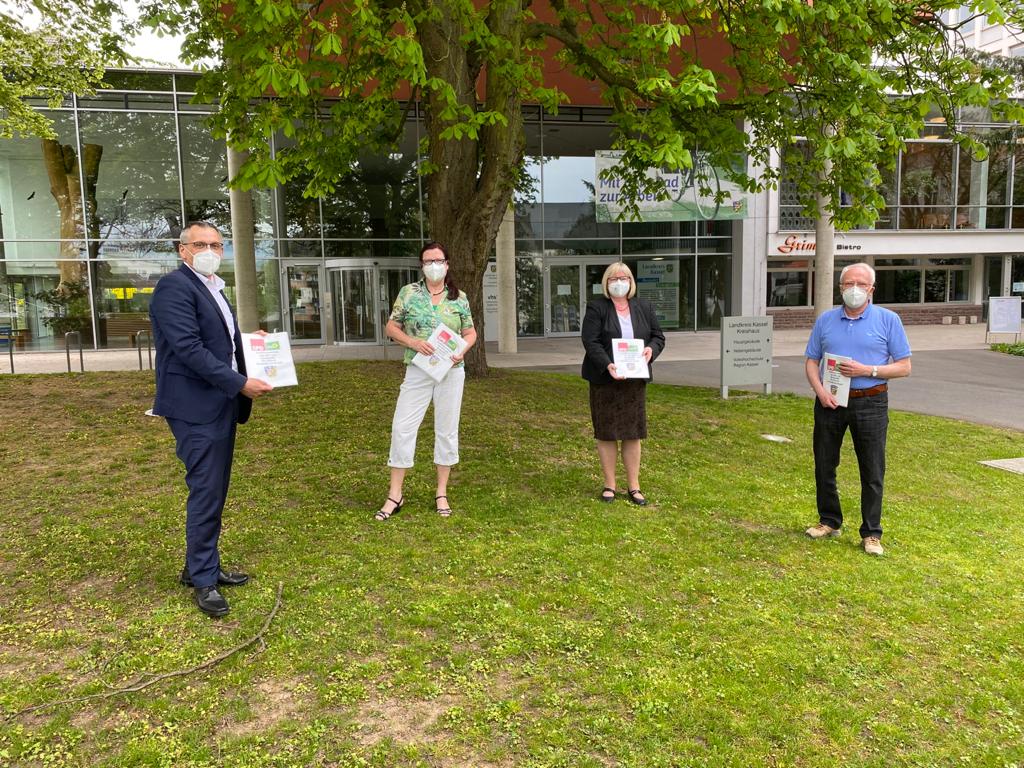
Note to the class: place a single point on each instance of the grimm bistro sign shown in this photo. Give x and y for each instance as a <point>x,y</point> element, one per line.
<point>805,244</point>
<point>746,352</point>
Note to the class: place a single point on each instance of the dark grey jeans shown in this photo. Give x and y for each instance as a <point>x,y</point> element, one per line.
<point>868,421</point>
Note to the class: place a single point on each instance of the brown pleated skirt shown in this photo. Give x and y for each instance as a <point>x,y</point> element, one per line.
<point>619,410</point>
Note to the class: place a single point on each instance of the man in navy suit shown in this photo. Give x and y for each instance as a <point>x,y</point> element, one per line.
<point>203,392</point>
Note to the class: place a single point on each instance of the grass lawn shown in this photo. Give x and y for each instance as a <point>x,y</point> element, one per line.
<point>537,626</point>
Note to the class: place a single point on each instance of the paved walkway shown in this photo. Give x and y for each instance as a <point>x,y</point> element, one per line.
<point>954,373</point>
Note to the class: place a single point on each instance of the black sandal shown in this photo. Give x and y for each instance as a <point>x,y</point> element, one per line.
<point>382,515</point>
<point>607,499</point>
<point>443,511</point>
<point>636,497</point>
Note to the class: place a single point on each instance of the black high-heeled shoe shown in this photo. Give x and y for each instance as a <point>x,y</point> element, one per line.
<point>382,515</point>
<point>636,497</point>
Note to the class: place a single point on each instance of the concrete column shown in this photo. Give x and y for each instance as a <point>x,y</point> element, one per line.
<point>505,248</point>
<point>244,247</point>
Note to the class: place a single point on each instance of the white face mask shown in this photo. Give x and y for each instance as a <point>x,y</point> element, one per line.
<point>435,272</point>
<point>855,297</point>
<point>618,289</point>
<point>206,262</point>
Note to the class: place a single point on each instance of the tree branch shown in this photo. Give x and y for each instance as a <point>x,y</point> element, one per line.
<point>141,683</point>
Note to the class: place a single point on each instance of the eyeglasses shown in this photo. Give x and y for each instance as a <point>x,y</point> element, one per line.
<point>618,279</point>
<point>434,261</point>
<point>863,286</point>
<point>199,245</point>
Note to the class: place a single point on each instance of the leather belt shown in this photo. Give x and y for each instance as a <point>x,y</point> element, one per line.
<point>875,390</point>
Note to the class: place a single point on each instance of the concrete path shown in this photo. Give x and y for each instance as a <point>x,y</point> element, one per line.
<point>954,373</point>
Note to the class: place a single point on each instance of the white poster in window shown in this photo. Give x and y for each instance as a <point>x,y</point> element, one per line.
<point>565,290</point>
<point>658,282</point>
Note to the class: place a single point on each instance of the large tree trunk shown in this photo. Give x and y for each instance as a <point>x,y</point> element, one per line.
<point>61,162</point>
<point>468,194</point>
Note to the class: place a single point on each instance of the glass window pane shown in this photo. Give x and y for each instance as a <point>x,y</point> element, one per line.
<point>529,295</point>
<point>301,214</point>
<point>926,186</point>
<point>958,284</point>
<point>897,286</point>
<point>569,178</point>
<point>40,189</point>
<point>45,299</point>
<point>131,80</point>
<point>131,175</point>
<point>712,292</point>
<point>787,289</point>
<point>380,198</point>
<point>935,285</point>
<point>205,171</point>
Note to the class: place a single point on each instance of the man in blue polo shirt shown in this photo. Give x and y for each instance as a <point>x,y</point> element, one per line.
<point>874,339</point>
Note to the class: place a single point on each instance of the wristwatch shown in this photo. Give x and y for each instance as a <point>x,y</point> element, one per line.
<point>874,372</point>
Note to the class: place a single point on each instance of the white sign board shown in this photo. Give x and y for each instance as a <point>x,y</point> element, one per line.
<point>1004,314</point>
<point>746,352</point>
<point>491,302</point>
<point>658,282</point>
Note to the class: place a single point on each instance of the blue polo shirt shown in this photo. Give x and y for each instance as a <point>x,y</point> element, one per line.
<point>875,337</point>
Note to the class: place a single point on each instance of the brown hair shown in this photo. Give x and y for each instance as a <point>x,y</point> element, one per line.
<point>449,281</point>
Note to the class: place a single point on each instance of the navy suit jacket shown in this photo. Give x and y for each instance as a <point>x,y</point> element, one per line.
<point>601,325</point>
<point>194,379</point>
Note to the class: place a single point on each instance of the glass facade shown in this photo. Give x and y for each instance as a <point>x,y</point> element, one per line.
<point>937,185</point>
<point>87,227</point>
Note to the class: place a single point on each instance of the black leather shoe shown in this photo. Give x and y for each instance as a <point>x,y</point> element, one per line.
<point>211,602</point>
<point>224,578</point>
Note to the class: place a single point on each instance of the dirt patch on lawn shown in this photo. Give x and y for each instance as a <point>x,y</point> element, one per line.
<point>403,721</point>
<point>273,702</point>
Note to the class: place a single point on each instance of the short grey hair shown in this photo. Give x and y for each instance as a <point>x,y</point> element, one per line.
<point>862,265</point>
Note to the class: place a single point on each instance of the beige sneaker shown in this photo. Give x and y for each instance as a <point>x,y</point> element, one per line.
<point>822,531</point>
<point>872,545</point>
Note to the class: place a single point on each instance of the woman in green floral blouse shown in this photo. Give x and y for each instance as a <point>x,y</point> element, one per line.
<point>418,310</point>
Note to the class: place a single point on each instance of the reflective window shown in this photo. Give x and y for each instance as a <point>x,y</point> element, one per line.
<point>926,185</point>
<point>568,177</point>
<point>130,175</point>
<point>787,289</point>
<point>380,198</point>
<point>205,171</point>
<point>897,286</point>
<point>40,191</point>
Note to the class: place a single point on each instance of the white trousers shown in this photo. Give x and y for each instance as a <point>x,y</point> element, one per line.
<point>414,397</point>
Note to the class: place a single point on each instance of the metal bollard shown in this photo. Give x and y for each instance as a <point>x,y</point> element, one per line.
<point>67,349</point>
<point>10,348</point>
<point>149,348</point>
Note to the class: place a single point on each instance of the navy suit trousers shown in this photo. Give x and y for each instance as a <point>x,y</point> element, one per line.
<point>206,450</point>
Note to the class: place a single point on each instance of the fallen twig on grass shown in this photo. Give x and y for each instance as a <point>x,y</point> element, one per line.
<point>139,685</point>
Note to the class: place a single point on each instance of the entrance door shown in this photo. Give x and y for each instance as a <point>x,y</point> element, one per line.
<point>304,323</point>
<point>563,310</point>
<point>389,282</point>
<point>362,299</point>
<point>355,311</point>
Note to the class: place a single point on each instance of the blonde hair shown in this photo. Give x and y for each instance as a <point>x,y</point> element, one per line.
<point>613,268</point>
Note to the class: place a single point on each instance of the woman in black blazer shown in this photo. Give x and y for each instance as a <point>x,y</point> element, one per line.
<point>618,406</point>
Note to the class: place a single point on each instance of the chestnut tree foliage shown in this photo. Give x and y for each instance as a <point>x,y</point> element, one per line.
<point>48,49</point>
<point>854,78</point>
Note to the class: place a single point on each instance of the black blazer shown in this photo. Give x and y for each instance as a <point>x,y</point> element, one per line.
<point>601,325</point>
